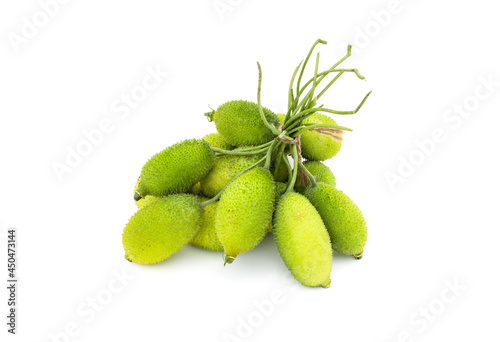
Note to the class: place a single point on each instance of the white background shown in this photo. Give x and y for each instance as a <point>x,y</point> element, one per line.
<point>438,225</point>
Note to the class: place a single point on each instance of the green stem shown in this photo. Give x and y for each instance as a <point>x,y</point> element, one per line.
<point>269,153</point>
<point>288,167</point>
<point>309,174</point>
<point>291,182</point>
<point>262,116</point>
<point>210,115</point>
<point>311,101</point>
<point>290,92</point>
<point>330,84</point>
<point>216,197</point>
<point>238,152</point>
<point>306,98</point>
<point>279,160</point>
<point>307,112</point>
<point>306,127</point>
<point>258,147</point>
<point>340,72</point>
<point>323,74</point>
<point>305,63</point>
<point>356,71</point>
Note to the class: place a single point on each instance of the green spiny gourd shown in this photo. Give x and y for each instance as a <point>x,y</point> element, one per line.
<point>206,237</point>
<point>342,217</point>
<point>320,171</point>
<point>244,212</point>
<point>176,169</point>
<point>317,146</point>
<point>302,240</point>
<point>226,167</point>
<point>239,122</point>
<point>216,140</point>
<point>162,228</point>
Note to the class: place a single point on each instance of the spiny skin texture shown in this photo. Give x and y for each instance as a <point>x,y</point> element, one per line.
<point>145,201</point>
<point>206,237</point>
<point>342,218</point>
<point>216,140</point>
<point>244,212</point>
<point>160,229</point>
<point>226,167</point>
<point>302,240</point>
<point>176,169</point>
<point>317,146</point>
<point>239,123</point>
<point>320,171</point>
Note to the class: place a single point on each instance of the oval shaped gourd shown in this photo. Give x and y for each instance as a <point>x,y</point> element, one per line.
<point>244,212</point>
<point>160,229</point>
<point>206,237</point>
<point>302,240</point>
<point>317,146</point>
<point>226,167</point>
<point>342,217</point>
<point>176,169</point>
<point>239,122</point>
<point>320,171</point>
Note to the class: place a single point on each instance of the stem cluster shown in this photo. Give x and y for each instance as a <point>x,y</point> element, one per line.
<point>302,103</point>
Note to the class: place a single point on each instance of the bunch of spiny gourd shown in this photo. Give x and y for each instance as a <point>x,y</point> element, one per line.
<point>260,173</point>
